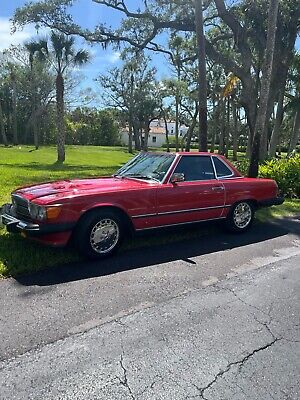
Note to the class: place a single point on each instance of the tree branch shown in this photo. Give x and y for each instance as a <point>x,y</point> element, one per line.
<point>240,33</point>
<point>227,63</point>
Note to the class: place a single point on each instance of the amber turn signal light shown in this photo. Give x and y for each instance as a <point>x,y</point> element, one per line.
<point>53,212</point>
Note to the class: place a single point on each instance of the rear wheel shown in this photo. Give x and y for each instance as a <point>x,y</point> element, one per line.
<point>240,217</point>
<point>99,234</point>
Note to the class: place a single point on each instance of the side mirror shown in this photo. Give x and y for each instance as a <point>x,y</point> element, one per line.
<point>177,177</point>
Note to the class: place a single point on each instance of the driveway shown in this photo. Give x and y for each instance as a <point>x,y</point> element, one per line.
<point>216,318</point>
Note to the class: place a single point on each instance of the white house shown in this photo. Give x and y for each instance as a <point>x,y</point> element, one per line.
<point>171,127</point>
<point>157,134</point>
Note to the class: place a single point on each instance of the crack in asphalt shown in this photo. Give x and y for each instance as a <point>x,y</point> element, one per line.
<point>240,363</point>
<point>265,324</point>
<point>241,300</point>
<point>119,321</point>
<point>268,314</point>
<point>157,378</point>
<point>124,381</point>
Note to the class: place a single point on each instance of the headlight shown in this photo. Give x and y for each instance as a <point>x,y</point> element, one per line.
<point>37,212</point>
<point>41,213</point>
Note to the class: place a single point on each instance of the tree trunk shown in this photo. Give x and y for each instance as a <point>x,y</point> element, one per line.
<point>61,156</point>
<point>264,141</point>
<point>215,126</point>
<point>295,134</point>
<point>191,129</point>
<point>14,109</point>
<point>248,101</point>
<point>2,128</point>
<point>34,107</point>
<point>177,120</point>
<point>33,119</point>
<point>263,147</point>
<point>213,139</point>
<point>189,135</point>
<point>281,64</point>
<point>136,136</point>
<point>130,138</point>
<point>35,134</point>
<point>221,149</point>
<point>235,131</point>
<point>202,84</point>
<point>146,138</point>
<point>167,131</point>
<point>130,115</point>
<point>265,88</point>
<point>182,142</point>
<point>227,130</point>
<point>278,121</point>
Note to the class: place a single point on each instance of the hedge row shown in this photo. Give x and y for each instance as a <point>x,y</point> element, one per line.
<point>285,171</point>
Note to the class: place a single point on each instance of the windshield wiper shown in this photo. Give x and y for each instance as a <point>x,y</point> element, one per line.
<point>140,176</point>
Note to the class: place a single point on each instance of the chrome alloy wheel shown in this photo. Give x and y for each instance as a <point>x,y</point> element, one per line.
<point>104,236</point>
<point>242,215</point>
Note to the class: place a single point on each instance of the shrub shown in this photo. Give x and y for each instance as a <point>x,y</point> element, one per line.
<point>286,172</point>
<point>242,166</point>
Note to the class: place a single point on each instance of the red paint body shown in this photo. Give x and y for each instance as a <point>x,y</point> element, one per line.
<point>146,203</point>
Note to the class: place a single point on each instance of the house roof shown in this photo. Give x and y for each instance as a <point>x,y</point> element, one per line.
<point>158,130</point>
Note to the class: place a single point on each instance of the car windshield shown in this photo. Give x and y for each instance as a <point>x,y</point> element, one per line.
<point>147,166</point>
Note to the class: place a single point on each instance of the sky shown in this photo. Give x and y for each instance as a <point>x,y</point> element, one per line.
<point>87,14</point>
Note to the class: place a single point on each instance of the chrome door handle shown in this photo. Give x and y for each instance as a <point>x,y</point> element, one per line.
<point>218,188</point>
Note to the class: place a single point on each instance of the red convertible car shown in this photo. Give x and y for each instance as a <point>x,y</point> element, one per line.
<point>152,190</point>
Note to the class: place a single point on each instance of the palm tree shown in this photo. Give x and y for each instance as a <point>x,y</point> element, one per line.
<point>275,138</point>
<point>294,104</point>
<point>63,56</point>
<point>2,128</point>
<point>37,49</point>
<point>13,80</point>
<point>296,127</point>
<point>202,80</point>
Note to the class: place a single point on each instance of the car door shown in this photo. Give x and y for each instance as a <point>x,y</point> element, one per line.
<point>199,197</point>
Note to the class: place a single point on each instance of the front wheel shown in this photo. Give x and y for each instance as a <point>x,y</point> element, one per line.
<point>240,217</point>
<point>99,234</point>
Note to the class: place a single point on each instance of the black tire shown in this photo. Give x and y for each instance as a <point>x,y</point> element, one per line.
<point>239,224</point>
<point>93,226</point>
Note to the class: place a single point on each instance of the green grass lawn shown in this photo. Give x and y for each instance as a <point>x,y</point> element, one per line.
<point>22,166</point>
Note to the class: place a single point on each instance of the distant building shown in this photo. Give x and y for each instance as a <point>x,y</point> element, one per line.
<point>171,127</point>
<point>157,134</point>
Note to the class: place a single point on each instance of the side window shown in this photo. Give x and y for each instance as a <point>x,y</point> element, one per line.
<point>195,168</point>
<point>221,169</point>
<point>153,139</point>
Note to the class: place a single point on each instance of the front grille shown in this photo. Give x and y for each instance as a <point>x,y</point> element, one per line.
<point>20,207</point>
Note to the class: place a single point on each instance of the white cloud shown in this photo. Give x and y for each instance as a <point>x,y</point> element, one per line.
<point>113,57</point>
<point>104,56</point>
<point>92,51</point>
<point>7,38</point>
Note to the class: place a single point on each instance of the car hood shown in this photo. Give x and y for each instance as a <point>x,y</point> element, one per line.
<point>52,191</point>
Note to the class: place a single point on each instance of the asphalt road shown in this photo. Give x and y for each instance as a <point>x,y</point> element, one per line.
<point>216,318</point>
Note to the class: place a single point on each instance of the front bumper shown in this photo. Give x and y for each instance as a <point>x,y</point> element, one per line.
<point>275,201</point>
<point>15,225</point>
